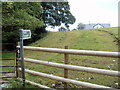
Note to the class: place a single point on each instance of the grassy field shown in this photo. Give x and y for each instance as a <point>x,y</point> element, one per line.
<point>92,39</point>
<point>83,40</point>
<point>80,39</point>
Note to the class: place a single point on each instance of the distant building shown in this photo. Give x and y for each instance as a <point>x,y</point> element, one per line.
<point>98,25</point>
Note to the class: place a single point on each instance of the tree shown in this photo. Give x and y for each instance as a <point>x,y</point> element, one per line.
<point>33,15</point>
<point>56,13</point>
<point>80,26</point>
<point>16,15</point>
<point>21,14</point>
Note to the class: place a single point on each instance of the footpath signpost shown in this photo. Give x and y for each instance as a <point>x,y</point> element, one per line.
<point>24,34</point>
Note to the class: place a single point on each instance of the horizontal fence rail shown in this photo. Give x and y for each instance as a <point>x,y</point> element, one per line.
<point>6,59</point>
<point>7,77</point>
<point>67,67</point>
<point>7,51</point>
<point>77,52</point>
<point>73,67</point>
<point>8,72</point>
<point>7,66</point>
<point>80,83</point>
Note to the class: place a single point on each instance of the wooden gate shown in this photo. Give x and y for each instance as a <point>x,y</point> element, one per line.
<point>8,65</point>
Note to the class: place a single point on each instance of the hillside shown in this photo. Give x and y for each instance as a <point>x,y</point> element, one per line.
<point>93,39</point>
<point>81,39</point>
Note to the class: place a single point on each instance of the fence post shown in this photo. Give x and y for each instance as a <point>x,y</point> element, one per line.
<point>16,54</point>
<point>22,56</point>
<point>66,57</point>
<point>18,64</point>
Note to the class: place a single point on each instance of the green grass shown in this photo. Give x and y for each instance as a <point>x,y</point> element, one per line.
<point>93,39</point>
<point>83,40</point>
<point>112,30</point>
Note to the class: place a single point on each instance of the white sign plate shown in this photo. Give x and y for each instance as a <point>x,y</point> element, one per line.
<point>26,34</point>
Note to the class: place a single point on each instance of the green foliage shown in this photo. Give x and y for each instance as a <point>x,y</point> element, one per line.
<point>17,15</point>
<point>21,15</point>
<point>56,13</point>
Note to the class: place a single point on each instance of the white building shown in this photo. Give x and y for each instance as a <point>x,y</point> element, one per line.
<point>97,25</point>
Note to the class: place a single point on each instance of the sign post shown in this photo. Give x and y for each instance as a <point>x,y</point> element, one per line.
<point>24,34</point>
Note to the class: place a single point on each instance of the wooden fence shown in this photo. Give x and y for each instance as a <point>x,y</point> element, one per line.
<point>67,67</point>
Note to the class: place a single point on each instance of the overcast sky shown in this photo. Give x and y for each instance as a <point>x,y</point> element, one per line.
<point>94,11</point>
